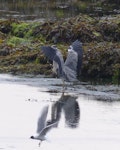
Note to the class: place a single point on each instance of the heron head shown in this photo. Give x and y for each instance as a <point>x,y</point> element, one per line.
<point>70,48</point>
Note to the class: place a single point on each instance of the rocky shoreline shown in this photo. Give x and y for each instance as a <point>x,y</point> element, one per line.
<point>20,45</point>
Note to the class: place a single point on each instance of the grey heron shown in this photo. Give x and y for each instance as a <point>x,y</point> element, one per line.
<point>43,127</point>
<point>71,68</point>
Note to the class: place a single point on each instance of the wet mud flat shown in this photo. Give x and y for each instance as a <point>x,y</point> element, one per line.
<point>54,85</point>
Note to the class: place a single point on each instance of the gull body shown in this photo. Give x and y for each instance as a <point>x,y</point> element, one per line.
<point>43,127</point>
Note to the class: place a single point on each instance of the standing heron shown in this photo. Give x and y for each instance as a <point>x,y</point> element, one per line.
<point>43,127</point>
<point>71,68</point>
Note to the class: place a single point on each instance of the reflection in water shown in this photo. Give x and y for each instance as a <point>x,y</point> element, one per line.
<point>69,106</point>
<point>66,104</point>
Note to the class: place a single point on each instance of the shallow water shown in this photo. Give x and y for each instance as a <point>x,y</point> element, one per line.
<point>21,100</point>
<point>45,9</point>
<point>36,10</point>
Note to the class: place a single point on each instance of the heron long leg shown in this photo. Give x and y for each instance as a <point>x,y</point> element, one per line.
<point>40,143</point>
<point>64,86</point>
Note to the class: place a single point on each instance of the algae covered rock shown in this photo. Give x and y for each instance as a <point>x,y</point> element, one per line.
<point>20,45</point>
<point>100,59</point>
<point>109,27</point>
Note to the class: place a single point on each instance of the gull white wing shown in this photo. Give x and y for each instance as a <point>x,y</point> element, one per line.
<point>42,119</point>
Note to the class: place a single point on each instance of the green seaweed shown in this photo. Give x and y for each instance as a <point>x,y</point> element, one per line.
<point>20,45</point>
<point>20,29</point>
<point>15,41</point>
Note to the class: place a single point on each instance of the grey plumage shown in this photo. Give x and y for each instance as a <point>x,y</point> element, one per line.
<point>71,68</point>
<point>42,126</point>
<point>42,120</point>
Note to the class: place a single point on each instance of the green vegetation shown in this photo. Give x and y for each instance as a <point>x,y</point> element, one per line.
<point>20,45</point>
<point>20,29</point>
<point>16,41</point>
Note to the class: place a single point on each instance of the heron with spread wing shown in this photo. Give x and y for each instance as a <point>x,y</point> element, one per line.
<point>71,68</point>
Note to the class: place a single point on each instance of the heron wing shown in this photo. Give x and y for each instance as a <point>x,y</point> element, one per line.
<point>77,47</point>
<point>72,60</point>
<point>55,55</point>
<point>70,67</point>
<point>42,119</point>
<point>52,52</point>
<point>49,52</point>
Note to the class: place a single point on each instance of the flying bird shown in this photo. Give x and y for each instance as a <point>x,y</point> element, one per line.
<point>43,127</point>
<point>70,69</point>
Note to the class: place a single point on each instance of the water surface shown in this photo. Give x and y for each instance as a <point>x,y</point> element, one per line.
<point>95,124</point>
<point>55,9</point>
